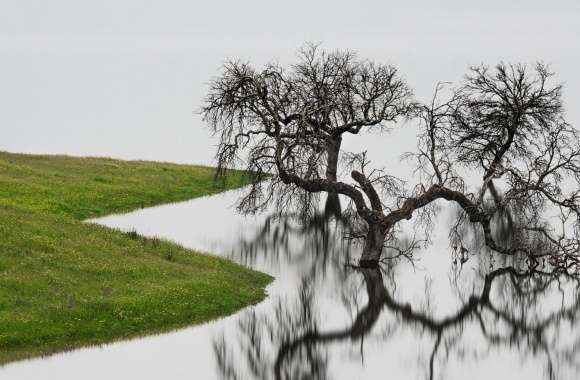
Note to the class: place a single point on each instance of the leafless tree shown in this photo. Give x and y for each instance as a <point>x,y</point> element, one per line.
<point>301,113</point>
<point>506,124</point>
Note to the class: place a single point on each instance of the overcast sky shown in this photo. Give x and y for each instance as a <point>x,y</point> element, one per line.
<point>124,78</point>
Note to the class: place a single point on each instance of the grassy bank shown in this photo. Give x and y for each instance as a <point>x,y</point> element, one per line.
<point>65,284</point>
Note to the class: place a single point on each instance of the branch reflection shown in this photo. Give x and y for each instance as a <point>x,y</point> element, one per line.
<point>515,307</point>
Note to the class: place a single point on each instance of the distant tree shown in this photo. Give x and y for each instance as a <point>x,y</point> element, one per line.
<point>505,124</point>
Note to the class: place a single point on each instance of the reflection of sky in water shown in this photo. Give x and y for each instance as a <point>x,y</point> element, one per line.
<point>310,262</point>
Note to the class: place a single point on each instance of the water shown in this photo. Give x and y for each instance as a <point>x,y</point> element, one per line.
<point>324,320</point>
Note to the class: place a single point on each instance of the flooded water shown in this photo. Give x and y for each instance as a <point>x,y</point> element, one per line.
<point>324,320</point>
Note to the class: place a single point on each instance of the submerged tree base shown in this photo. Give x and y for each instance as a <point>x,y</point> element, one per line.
<point>364,263</point>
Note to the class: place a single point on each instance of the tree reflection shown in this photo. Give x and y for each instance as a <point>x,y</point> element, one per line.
<point>512,305</point>
<point>316,245</point>
<point>508,312</point>
<point>505,303</point>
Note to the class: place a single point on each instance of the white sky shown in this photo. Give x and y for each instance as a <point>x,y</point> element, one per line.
<point>123,78</point>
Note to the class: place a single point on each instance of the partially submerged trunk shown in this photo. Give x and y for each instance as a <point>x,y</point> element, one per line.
<point>332,206</point>
<point>373,246</point>
<point>497,198</point>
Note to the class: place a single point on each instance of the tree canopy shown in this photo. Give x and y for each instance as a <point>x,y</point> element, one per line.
<point>505,123</point>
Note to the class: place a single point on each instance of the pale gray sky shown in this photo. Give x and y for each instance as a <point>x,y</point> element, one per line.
<point>123,78</point>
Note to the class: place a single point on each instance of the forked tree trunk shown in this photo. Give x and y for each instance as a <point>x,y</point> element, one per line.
<point>332,206</point>
<point>373,246</point>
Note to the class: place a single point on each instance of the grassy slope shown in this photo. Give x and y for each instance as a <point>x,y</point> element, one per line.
<point>64,283</point>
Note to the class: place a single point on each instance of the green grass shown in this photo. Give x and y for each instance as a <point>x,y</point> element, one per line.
<point>65,284</point>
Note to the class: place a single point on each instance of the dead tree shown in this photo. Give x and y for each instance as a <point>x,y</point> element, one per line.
<point>506,124</point>
<point>307,108</point>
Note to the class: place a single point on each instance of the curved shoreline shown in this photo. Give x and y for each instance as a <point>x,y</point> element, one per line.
<point>67,284</point>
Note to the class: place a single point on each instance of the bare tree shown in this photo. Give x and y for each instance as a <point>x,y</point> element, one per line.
<point>506,124</point>
<point>306,109</point>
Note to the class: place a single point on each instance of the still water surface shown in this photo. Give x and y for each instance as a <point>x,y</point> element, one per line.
<point>324,320</point>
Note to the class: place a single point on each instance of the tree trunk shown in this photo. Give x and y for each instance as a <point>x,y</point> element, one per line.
<point>373,246</point>
<point>332,206</point>
<point>497,199</point>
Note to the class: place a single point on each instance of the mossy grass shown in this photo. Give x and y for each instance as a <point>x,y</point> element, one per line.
<point>66,284</point>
